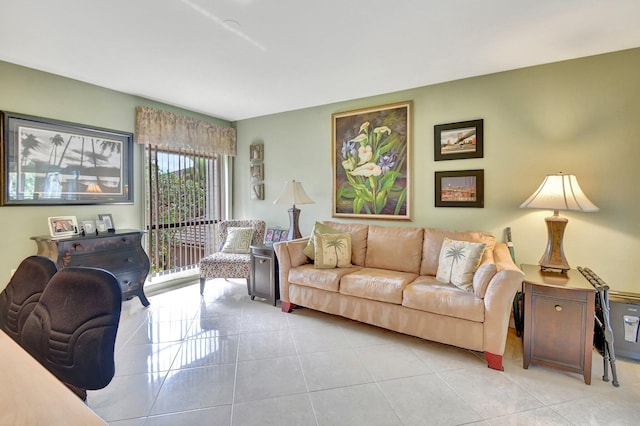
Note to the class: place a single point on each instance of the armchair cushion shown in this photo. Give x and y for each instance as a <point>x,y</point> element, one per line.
<point>238,240</point>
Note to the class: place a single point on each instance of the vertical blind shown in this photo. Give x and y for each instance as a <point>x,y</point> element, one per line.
<point>184,201</point>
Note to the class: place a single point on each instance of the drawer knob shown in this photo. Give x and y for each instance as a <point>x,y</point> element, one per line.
<point>262,260</point>
<point>77,246</point>
<point>558,308</point>
<point>130,259</point>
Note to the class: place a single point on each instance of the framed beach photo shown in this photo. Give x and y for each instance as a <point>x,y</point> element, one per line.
<point>52,162</point>
<point>455,141</point>
<point>63,226</point>
<point>371,156</point>
<point>460,188</point>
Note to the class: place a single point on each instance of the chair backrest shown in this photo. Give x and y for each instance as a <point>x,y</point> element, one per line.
<point>22,293</point>
<point>72,329</point>
<point>258,233</point>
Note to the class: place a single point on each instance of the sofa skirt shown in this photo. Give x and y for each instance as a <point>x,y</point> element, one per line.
<point>438,328</point>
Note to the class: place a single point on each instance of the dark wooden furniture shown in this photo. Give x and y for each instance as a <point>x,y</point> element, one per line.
<point>264,274</point>
<point>118,252</point>
<point>559,312</point>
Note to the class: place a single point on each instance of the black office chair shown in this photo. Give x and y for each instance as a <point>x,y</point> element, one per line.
<point>72,329</point>
<point>22,293</point>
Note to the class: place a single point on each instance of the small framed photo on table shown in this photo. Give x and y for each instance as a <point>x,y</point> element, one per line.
<point>108,221</point>
<point>88,226</point>
<point>63,226</point>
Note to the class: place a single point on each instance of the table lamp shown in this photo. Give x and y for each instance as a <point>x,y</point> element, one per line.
<point>293,193</point>
<point>558,192</point>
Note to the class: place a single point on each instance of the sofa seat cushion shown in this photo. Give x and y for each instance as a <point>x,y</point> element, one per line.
<point>324,279</point>
<point>376,284</point>
<point>428,294</point>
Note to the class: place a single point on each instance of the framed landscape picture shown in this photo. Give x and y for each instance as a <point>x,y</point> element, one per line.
<point>456,141</point>
<point>461,188</point>
<point>51,162</point>
<point>371,155</point>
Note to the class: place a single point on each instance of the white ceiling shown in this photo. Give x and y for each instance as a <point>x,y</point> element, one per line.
<point>237,59</point>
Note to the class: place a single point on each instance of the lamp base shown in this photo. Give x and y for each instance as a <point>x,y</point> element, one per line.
<point>294,231</point>
<point>553,257</point>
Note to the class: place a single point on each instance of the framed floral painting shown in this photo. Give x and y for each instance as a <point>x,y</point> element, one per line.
<point>371,155</point>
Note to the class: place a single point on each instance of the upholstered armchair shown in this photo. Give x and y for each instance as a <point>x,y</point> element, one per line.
<point>222,264</point>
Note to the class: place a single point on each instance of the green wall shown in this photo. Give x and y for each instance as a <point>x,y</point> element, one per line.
<point>580,116</point>
<point>27,91</point>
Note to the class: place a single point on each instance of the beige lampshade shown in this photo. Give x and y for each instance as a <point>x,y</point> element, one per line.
<point>559,192</point>
<point>293,193</point>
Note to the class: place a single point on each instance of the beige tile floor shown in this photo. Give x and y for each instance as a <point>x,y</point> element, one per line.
<point>224,359</point>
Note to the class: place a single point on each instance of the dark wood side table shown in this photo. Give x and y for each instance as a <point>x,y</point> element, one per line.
<point>559,312</point>
<point>118,252</point>
<point>264,274</point>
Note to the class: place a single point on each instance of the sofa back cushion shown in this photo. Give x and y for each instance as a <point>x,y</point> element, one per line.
<point>433,239</point>
<point>359,234</point>
<point>395,248</point>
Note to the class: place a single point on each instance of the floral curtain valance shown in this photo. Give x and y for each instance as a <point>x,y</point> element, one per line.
<point>166,129</point>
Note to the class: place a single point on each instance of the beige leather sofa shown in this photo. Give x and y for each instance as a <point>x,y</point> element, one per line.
<point>392,284</point>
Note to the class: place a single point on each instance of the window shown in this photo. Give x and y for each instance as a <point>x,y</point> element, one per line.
<point>186,193</point>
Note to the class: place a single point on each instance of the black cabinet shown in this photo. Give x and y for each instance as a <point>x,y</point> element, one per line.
<point>264,274</point>
<point>118,252</point>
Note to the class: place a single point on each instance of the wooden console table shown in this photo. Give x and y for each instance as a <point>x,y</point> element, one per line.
<point>559,311</point>
<point>118,252</point>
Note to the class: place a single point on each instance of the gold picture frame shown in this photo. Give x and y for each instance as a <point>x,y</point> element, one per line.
<point>371,156</point>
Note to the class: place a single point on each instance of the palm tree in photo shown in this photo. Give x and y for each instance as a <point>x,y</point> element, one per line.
<point>337,243</point>
<point>56,141</point>
<point>456,253</point>
<point>29,143</point>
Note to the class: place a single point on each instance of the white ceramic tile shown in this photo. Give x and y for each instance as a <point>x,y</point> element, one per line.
<point>193,388</point>
<point>160,332</point>
<point>265,344</point>
<point>207,351</point>
<point>427,400</point>
<point>354,405</point>
<point>207,416</point>
<point>360,335</point>
<point>292,410</point>
<point>499,396</point>
<point>214,326</point>
<point>539,417</point>
<point>149,358</point>
<point>391,362</point>
<point>268,378</point>
<point>440,357</point>
<point>272,319</point>
<point>325,370</point>
<point>126,397</point>
<point>618,406</point>
<point>319,339</point>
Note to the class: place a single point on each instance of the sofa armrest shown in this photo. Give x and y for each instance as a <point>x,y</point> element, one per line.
<point>289,255</point>
<point>498,300</point>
